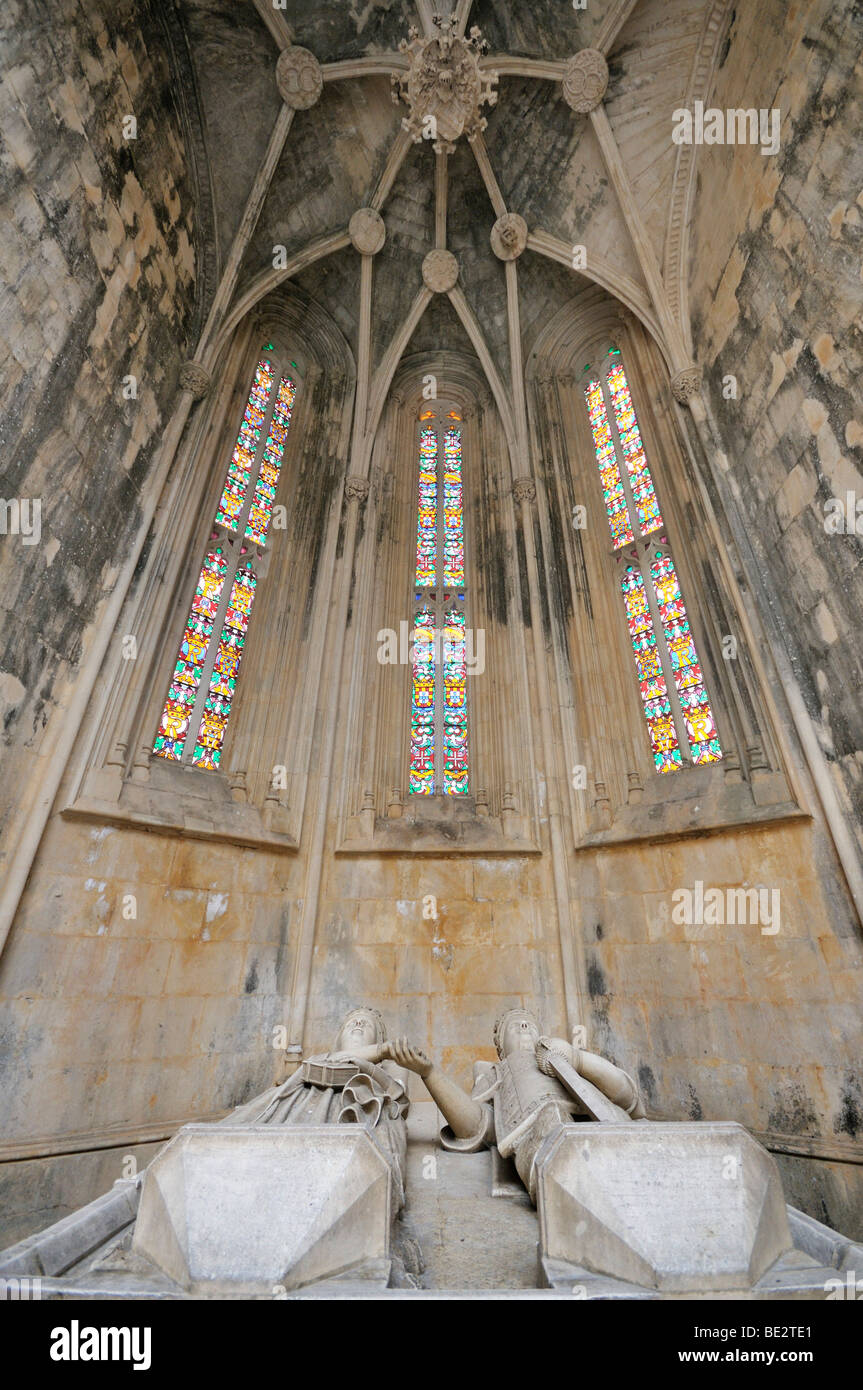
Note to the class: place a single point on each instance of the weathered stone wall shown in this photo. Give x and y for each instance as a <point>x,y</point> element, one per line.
<point>723,1021</point>
<point>99,269</point>
<point>776,297</point>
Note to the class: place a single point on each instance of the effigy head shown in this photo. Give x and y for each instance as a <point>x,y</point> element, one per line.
<point>516,1031</point>
<point>361,1027</point>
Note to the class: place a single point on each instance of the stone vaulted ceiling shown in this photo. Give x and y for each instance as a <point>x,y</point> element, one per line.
<point>598,171</point>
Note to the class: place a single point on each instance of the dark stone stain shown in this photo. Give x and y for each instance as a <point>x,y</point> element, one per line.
<point>251,983</point>
<point>693,1106</point>
<point>793,1112</point>
<point>647,1083</point>
<point>596,982</point>
<point>850,1118</point>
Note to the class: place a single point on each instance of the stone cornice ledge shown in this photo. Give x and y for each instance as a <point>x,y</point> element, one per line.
<point>685,818</point>
<point>416,834</point>
<point>224,820</point>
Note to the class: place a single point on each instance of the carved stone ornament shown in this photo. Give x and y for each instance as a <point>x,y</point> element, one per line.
<point>440,271</point>
<point>195,379</point>
<point>299,78</point>
<point>444,86</point>
<point>367,231</point>
<point>509,236</point>
<point>524,490</point>
<point>585,80</point>
<point>686,384</point>
<point>356,489</point>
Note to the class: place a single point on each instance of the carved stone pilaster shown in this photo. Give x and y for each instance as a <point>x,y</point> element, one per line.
<point>585,80</point>
<point>299,78</point>
<point>356,489</point>
<point>634,789</point>
<point>524,490</point>
<point>367,815</point>
<point>195,379</point>
<point>509,815</point>
<point>686,384</point>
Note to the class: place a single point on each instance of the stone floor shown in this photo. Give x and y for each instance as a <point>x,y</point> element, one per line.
<point>469,1238</point>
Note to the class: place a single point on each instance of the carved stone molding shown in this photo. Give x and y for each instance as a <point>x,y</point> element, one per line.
<point>509,236</point>
<point>444,87</point>
<point>356,489</point>
<point>524,490</point>
<point>440,271</point>
<point>585,80</point>
<point>686,384</point>
<point>195,379</point>
<point>299,78</point>
<point>367,231</point>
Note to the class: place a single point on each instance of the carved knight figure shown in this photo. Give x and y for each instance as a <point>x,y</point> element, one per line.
<point>354,1083</point>
<point>537,1084</point>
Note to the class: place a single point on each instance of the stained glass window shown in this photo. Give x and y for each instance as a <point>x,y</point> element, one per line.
<point>674,697</point>
<point>697,714</point>
<point>243,458</point>
<point>223,681</point>
<point>265,487</point>
<point>651,681</point>
<point>174,726</point>
<point>439,730</point>
<point>454,704</point>
<point>453,506</point>
<point>427,510</point>
<point>423,703</point>
<point>195,715</point>
<point>632,449</point>
<point>609,471</point>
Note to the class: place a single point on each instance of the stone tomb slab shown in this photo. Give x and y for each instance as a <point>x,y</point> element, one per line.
<point>672,1207</point>
<point>265,1205</point>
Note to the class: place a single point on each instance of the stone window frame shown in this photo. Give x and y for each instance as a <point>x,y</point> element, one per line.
<point>376,815</point>
<point>114,777</point>
<point>626,799</point>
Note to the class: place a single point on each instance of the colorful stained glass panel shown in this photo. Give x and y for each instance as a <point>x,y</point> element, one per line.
<point>698,717</point>
<point>634,456</point>
<point>455,752</point>
<point>214,721</point>
<point>423,704</point>
<point>174,725</point>
<point>261,509</point>
<point>233,497</point>
<point>651,681</point>
<point>453,507</point>
<point>426,566</point>
<point>609,470</point>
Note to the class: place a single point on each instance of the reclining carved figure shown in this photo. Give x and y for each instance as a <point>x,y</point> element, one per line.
<point>538,1084</point>
<point>354,1083</point>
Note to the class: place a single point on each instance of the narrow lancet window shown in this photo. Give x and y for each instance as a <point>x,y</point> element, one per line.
<point>439,720</point>
<point>674,697</point>
<point>195,715</point>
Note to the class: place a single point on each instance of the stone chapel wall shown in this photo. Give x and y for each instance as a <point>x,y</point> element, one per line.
<point>99,260</point>
<point>776,298</point>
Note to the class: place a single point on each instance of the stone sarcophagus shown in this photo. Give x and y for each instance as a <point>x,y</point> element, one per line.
<point>675,1207</point>
<point>253,1208</point>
